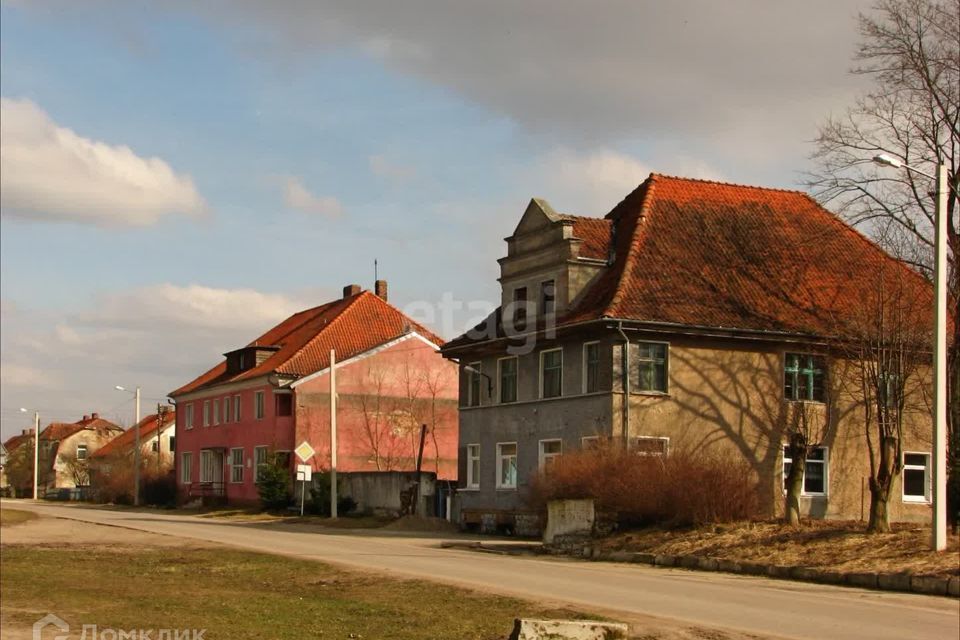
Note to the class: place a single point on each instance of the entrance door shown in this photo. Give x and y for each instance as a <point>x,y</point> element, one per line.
<point>211,465</point>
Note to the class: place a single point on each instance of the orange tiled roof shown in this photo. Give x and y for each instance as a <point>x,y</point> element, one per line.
<point>62,430</point>
<point>595,233</point>
<point>697,253</point>
<point>125,441</point>
<point>14,442</point>
<point>350,325</point>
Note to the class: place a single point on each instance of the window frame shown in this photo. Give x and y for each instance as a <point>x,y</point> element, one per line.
<point>234,466</point>
<point>543,372</point>
<point>501,486</point>
<point>826,471</point>
<point>206,413</point>
<point>927,497</point>
<point>259,405</point>
<point>543,457</point>
<point>546,297</point>
<point>216,411</point>
<point>585,386</point>
<point>474,377</point>
<point>824,372</point>
<point>186,467</point>
<point>256,465</point>
<point>237,414</point>
<point>227,405</point>
<point>596,440</point>
<point>520,308</point>
<point>208,454</point>
<point>666,368</point>
<point>188,416</point>
<point>82,446</point>
<point>516,380</point>
<point>664,439</point>
<point>473,480</point>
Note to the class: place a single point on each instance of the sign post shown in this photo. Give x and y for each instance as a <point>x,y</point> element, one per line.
<point>304,471</point>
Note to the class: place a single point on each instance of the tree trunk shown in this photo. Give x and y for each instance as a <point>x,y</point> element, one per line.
<point>880,487</point>
<point>879,518</point>
<point>794,482</point>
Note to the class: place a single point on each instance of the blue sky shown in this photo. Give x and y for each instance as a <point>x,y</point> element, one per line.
<point>279,148</point>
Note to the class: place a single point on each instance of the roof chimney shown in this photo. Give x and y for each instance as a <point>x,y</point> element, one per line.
<point>85,418</point>
<point>94,416</point>
<point>380,288</point>
<point>27,432</point>
<point>351,290</point>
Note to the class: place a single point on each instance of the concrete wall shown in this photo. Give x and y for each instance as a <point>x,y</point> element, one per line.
<point>381,493</point>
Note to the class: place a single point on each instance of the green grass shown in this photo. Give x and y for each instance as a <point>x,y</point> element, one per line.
<point>9,517</point>
<point>238,594</point>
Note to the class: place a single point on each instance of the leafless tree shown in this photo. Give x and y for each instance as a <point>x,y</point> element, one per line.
<point>78,468</point>
<point>805,429</point>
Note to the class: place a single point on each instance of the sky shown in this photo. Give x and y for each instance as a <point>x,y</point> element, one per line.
<point>178,177</point>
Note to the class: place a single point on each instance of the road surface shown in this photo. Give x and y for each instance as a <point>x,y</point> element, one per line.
<point>745,604</point>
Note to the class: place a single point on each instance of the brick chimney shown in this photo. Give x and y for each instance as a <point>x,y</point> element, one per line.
<point>351,290</point>
<point>380,288</point>
<point>27,432</point>
<point>85,418</point>
<point>94,416</point>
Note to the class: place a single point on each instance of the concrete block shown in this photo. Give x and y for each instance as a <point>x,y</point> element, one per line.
<point>953,586</point>
<point>894,581</point>
<point>779,571</point>
<point>830,577</point>
<point>808,574</point>
<point>689,562</point>
<point>644,558</point>
<point>619,556</point>
<point>524,629</point>
<point>568,517</point>
<point>929,584</point>
<point>865,580</point>
<point>753,568</point>
<point>730,566</point>
<point>664,560</point>
<point>708,564</point>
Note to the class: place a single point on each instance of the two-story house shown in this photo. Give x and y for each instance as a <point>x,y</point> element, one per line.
<point>264,399</point>
<point>729,298</point>
<point>65,450</point>
<point>157,450</point>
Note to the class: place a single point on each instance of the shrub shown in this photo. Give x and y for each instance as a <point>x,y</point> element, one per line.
<point>273,485</point>
<point>320,498</point>
<point>159,489</point>
<point>677,490</point>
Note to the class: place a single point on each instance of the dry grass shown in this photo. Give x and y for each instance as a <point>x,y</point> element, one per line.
<point>10,517</point>
<point>838,546</point>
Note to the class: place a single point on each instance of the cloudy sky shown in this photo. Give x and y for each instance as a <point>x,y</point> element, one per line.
<point>176,179</point>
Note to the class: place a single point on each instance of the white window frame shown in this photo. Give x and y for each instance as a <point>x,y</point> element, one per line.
<point>256,464</point>
<point>913,499</point>
<point>516,390</point>
<point>188,416</point>
<point>206,413</point>
<point>473,455</point>
<point>186,467</point>
<point>543,456</point>
<point>86,452</point>
<point>227,406</point>
<point>236,408</point>
<point>803,483</point>
<point>635,386</point>
<point>216,411</point>
<point>208,455</point>
<point>500,457</point>
<point>476,374</point>
<point>234,466</point>
<point>542,354</point>
<point>583,372</point>
<point>591,439</point>
<point>259,405</point>
<point>664,439</point>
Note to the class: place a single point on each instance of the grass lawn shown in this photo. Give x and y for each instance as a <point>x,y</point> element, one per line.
<point>9,517</point>
<point>239,594</point>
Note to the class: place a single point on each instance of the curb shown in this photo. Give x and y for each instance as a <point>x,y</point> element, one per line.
<point>904,581</point>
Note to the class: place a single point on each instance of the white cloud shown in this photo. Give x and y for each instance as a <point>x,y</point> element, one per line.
<point>20,375</point>
<point>49,172</point>
<point>382,167</point>
<point>296,196</point>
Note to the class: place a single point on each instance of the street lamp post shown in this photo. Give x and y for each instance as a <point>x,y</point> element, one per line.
<point>136,443</point>
<point>939,535</point>
<point>36,450</point>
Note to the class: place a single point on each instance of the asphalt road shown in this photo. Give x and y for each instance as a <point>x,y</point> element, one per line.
<point>746,604</point>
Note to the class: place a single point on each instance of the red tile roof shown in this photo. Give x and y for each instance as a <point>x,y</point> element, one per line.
<point>708,254</point>
<point>62,430</point>
<point>350,325</point>
<point>125,441</point>
<point>595,233</point>
<point>14,442</point>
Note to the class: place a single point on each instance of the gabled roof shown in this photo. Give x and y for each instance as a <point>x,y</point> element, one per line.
<point>62,430</point>
<point>125,441</point>
<point>595,233</point>
<point>350,325</point>
<point>14,442</point>
<point>705,254</point>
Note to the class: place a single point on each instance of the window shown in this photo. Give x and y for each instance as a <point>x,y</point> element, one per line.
<point>520,308</point>
<point>284,404</point>
<point>206,413</point>
<point>473,385</point>
<point>550,451</point>
<point>259,459</point>
<point>154,446</point>
<point>551,373</point>
<point>652,446</point>
<point>803,377</point>
<point>589,443</point>
<point>216,411</point>
<point>258,405</point>
<point>226,409</point>
<point>916,477</point>
<point>186,467</point>
<point>208,468</point>
<point>652,363</point>
<point>173,444</point>
<point>507,465</point>
<point>548,297</point>
<point>591,367</point>
<point>815,472</point>
<point>236,465</point>
<point>236,408</point>
<point>188,417</point>
<point>81,452</point>
<point>508,379</point>
<point>473,466</point>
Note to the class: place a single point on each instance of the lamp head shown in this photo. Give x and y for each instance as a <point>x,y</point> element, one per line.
<point>119,388</point>
<point>23,410</point>
<point>888,160</point>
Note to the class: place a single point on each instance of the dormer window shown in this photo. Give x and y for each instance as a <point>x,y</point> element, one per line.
<point>248,358</point>
<point>548,297</point>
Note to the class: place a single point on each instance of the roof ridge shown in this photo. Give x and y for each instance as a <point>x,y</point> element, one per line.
<point>723,183</point>
<point>320,332</point>
<point>299,326</point>
<point>635,241</point>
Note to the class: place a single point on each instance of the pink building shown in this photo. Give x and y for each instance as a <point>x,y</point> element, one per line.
<point>269,396</point>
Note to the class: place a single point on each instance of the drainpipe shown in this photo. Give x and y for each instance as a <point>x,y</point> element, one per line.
<point>626,386</point>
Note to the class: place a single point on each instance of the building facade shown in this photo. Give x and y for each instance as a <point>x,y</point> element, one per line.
<point>730,300</point>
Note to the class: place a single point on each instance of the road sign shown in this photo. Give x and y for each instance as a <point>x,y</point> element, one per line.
<point>304,472</point>
<point>304,451</point>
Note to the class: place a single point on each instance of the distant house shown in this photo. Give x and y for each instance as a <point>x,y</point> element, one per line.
<point>263,399</point>
<point>157,450</point>
<point>18,465</point>
<point>3,469</point>
<point>695,315</point>
<point>65,449</point>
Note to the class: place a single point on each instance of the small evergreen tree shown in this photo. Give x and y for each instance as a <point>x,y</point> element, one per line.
<point>273,484</point>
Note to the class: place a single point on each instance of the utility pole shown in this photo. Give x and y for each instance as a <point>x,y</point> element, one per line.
<point>36,452</point>
<point>136,449</point>
<point>161,414</point>
<point>333,433</point>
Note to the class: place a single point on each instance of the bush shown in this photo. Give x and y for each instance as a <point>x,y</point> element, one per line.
<point>320,498</point>
<point>677,490</point>
<point>159,490</point>
<point>273,485</point>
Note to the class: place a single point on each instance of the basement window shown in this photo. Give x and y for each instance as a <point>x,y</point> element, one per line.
<point>916,477</point>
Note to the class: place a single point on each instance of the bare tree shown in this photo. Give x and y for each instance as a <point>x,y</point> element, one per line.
<point>910,49</point>
<point>805,429</point>
<point>78,468</point>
